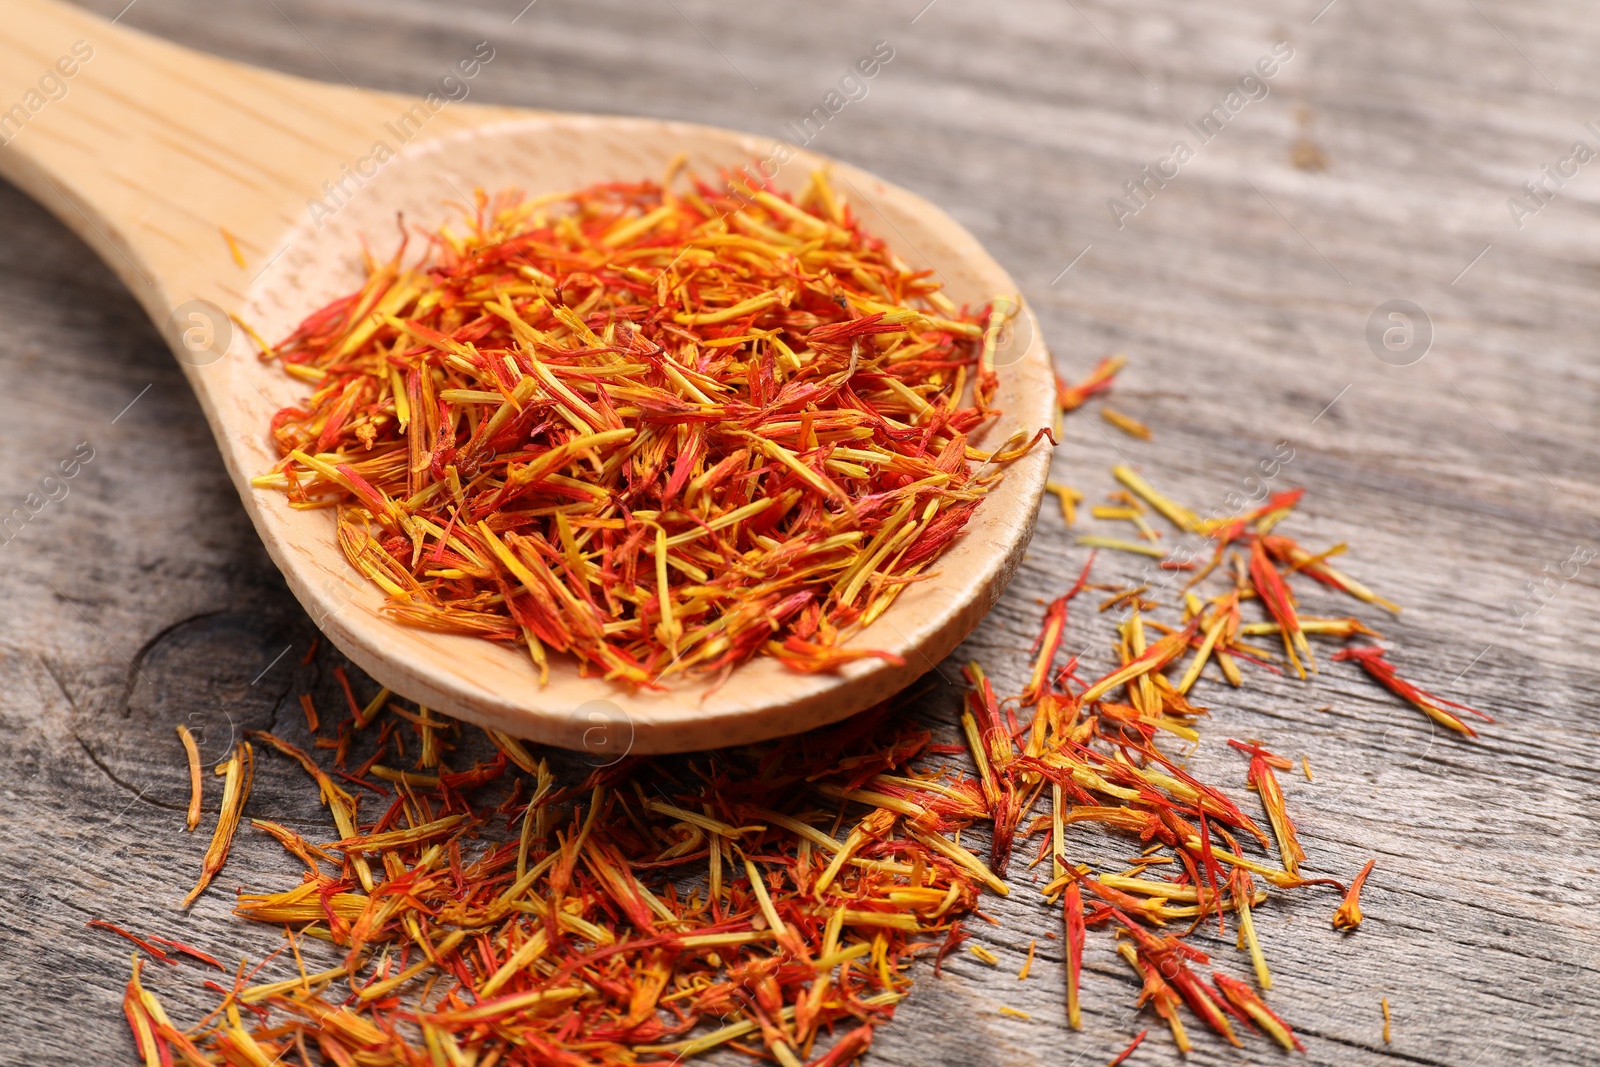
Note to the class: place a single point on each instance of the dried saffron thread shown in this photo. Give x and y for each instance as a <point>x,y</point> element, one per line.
<point>1373,662</point>
<point>1071,396</point>
<point>312,722</point>
<point>1348,914</point>
<point>662,432</point>
<point>1245,1000</point>
<point>233,249</point>
<point>1125,1053</point>
<point>1262,779</point>
<point>1069,499</point>
<point>1126,423</point>
<point>191,752</point>
<point>134,938</point>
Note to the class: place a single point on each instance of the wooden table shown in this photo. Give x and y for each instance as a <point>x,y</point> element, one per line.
<point>1376,168</point>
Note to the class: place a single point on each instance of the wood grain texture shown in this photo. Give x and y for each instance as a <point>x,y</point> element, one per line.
<point>1242,295</point>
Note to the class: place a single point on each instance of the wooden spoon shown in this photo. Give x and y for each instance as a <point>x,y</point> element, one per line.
<point>160,157</point>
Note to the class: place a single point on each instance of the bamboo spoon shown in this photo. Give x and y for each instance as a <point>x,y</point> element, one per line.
<point>157,156</point>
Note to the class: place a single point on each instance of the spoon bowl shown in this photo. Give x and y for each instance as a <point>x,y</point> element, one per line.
<point>218,191</point>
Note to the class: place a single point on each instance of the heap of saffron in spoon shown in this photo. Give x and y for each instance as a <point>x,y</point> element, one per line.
<point>662,432</point>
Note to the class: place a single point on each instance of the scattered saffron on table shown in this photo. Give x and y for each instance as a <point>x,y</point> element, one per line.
<point>764,898</point>
<point>1385,1004</point>
<point>585,936</point>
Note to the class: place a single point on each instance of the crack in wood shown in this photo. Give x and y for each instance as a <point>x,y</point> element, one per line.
<point>138,794</point>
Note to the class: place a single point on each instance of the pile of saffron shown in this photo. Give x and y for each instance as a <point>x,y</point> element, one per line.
<point>659,431</point>
<point>772,899</point>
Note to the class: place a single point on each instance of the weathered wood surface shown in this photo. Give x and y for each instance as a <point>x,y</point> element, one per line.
<point>1242,294</point>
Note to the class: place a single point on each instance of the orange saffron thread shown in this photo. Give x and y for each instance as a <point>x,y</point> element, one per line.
<point>192,752</point>
<point>1348,915</point>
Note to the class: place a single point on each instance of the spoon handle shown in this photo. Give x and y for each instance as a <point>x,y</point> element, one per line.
<point>174,166</point>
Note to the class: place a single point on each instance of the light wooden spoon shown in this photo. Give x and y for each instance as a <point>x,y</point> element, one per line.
<point>157,156</point>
